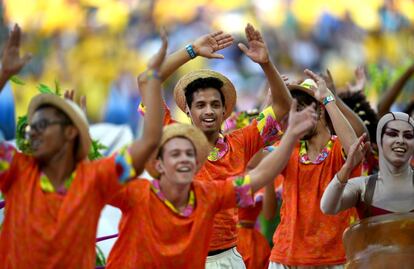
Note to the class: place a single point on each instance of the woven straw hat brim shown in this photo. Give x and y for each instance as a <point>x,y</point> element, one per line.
<point>73,111</point>
<point>192,133</point>
<point>228,90</point>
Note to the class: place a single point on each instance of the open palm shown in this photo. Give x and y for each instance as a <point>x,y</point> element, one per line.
<point>256,50</point>
<point>12,63</point>
<point>207,45</point>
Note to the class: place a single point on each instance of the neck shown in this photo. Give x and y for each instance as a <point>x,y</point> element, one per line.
<point>59,167</point>
<point>212,138</point>
<point>175,193</point>
<point>318,142</point>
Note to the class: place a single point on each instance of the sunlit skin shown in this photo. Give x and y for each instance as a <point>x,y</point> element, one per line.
<point>177,163</point>
<point>177,166</point>
<point>207,111</point>
<point>398,142</point>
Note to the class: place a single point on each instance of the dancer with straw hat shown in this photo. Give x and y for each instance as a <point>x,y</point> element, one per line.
<point>168,222</point>
<point>54,196</point>
<point>208,98</point>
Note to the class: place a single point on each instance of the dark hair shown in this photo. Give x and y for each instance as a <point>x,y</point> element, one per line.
<point>307,100</point>
<point>358,102</point>
<point>58,112</point>
<point>410,108</point>
<point>202,84</point>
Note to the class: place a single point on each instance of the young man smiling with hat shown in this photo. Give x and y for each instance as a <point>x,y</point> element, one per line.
<point>209,98</point>
<point>305,237</point>
<point>168,222</point>
<point>54,196</point>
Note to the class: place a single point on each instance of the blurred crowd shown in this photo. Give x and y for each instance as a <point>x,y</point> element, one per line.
<point>98,47</point>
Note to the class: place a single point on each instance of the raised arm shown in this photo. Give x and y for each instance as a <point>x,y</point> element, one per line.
<point>341,194</point>
<point>388,98</point>
<point>150,87</point>
<point>342,127</point>
<point>275,162</point>
<point>353,119</point>
<point>11,62</point>
<point>258,52</point>
<point>204,46</point>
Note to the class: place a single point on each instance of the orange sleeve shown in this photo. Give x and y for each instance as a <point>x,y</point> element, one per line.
<point>263,131</point>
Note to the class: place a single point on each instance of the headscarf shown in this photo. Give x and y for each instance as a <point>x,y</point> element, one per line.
<point>385,167</point>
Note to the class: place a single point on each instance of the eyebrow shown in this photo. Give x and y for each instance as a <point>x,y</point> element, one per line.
<point>396,130</point>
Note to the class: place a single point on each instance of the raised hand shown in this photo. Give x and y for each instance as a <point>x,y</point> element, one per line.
<point>207,45</point>
<point>360,80</point>
<point>70,95</point>
<point>329,81</point>
<point>158,58</point>
<point>155,62</point>
<point>356,154</point>
<point>11,62</point>
<point>300,122</point>
<point>322,90</point>
<point>256,50</point>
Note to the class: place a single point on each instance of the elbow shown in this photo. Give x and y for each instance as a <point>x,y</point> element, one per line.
<point>326,209</point>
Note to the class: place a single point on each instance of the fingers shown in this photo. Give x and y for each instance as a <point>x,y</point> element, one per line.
<point>312,75</point>
<point>83,103</point>
<point>249,32</point>
<point>243,48</point>
<point>164,38</point>
<point>216,56</point>
<point>14,39</point>
<point>294,105</point>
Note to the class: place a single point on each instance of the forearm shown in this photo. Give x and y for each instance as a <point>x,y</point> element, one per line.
<point>3,80</point>
<point>335,198</point>
<point>173,62</point>
<point>342,127</point>
<point>353,119</point>
<point>391,94</point>
<point>142,149</point>
<point>272,164</point>
<point>281,98</point>
<point>269,202</point>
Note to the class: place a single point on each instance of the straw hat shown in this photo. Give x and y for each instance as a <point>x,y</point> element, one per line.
<point>192,133</point>
<point>73,111</point>
<point>228,90</point>
<point>305,86</point>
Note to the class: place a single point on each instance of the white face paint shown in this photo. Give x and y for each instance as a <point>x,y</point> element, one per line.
<point>398,142</point>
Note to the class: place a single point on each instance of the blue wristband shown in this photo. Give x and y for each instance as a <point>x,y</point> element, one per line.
<point>328,99</point>
<point>191,51</point>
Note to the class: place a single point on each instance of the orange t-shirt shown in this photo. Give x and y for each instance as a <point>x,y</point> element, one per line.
<point>306,236</point>
<point>229,158</point>
<point>49,230</point>
<point>154,236</point>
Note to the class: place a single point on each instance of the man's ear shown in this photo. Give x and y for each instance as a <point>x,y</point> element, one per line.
<point>159,166</point>
<point>71,132</point>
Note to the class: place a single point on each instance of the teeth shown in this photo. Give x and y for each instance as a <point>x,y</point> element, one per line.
<point>399,150</point>
<point>183,169</point>
<point>209,120</point>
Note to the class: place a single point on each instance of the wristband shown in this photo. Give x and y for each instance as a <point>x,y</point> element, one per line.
<point>190,51</point>
<point>152,74</point>
<point>328,99</point>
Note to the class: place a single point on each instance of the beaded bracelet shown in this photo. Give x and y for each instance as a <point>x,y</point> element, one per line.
<point>190,51</point>
<point>152,74</point>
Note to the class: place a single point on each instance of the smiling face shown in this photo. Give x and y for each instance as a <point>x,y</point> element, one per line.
<point>177,162</point>
<point>398,142</point>
<point>49,133</point>
<point>207,110</point>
